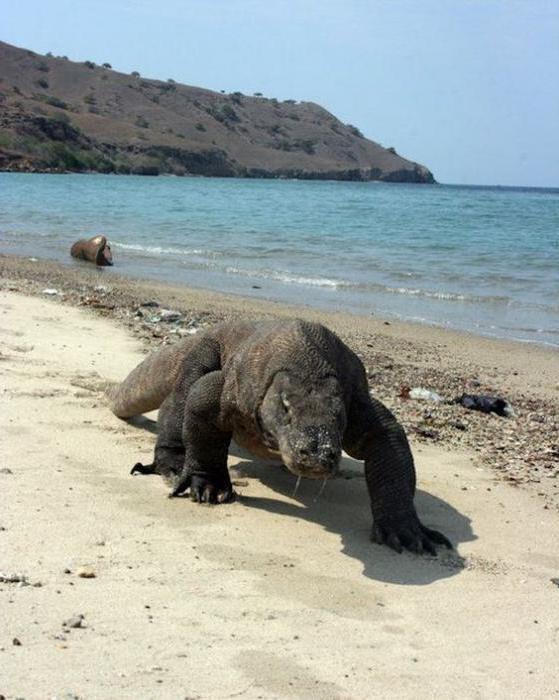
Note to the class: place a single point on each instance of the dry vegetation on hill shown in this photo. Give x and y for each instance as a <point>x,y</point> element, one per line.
<point>58,115</point>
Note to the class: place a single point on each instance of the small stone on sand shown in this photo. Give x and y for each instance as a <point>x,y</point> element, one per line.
<point>85,572</point>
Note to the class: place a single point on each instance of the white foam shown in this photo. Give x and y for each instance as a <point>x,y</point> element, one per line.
<point>161,250</point>
<point>289,278</point>
<point>445,296</point>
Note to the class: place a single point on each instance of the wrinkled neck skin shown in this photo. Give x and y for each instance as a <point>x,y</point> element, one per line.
<point>305,419</point>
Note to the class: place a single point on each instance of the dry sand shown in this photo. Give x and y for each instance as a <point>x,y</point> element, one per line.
<point>269,597</point>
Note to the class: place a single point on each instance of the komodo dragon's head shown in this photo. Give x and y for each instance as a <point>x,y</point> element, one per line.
<point>306,420</point>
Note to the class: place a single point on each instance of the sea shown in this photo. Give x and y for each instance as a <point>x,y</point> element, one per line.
<point>479,259</point>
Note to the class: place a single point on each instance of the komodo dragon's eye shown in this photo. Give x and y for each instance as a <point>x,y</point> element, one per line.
<point>285,403</point>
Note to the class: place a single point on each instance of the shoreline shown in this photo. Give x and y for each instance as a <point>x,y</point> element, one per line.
<point>466,345</point>
<point>535,188</point>
<point>257,291</point>
<point>522,450</point>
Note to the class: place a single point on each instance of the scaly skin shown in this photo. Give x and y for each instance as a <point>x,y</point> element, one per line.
<point>286,388</point>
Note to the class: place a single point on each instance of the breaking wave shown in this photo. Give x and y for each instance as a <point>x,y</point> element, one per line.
<point>447,296</point>
<point>290,278</point>
<point>157,250</point>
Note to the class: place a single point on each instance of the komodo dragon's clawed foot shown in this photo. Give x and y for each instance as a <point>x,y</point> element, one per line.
<point>140,468</point>
<point>408,533</point>
<point>204,490</point>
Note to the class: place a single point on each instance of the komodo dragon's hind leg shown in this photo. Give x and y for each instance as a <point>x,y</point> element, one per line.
<point>168,457</point>
<point>375,436</point>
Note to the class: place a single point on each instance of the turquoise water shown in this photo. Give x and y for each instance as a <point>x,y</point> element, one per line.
<point>475,258</point>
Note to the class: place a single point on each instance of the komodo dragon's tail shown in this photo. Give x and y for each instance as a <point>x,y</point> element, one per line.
<point>149,384</point>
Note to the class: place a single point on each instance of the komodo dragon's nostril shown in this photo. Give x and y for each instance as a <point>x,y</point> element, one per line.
<point>310,448</point>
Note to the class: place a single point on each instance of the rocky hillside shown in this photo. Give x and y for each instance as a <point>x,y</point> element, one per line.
<point>57,115</point>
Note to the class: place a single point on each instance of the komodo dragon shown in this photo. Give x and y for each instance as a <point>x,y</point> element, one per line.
<point>288,389</point>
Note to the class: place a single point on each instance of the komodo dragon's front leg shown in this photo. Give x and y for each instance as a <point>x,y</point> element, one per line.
<point>375,436</point>
<point>191,451</point>
<point>206,444</point>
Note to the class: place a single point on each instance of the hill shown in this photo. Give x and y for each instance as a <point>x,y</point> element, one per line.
<point>57,115</point>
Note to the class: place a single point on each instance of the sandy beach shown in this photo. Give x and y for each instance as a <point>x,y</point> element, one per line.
<point>273,596</point>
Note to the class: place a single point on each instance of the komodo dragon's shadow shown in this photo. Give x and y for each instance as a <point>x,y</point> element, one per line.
<point>143,423</point>
<point>343,507</point>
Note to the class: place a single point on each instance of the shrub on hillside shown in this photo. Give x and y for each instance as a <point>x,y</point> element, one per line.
<point>306,145</point>
<point>355,131</point>
<point>59,155</point>
<point>62,118</point>
<point>229,114</point>
<point>121,165</point>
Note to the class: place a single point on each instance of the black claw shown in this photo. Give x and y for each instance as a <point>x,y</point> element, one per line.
<point>196,495</point>
<point>211,496</point>
<point>227,496</point>
<point>429,547</point>
<point>416,546</point>
<point>437,537</point>
<point>375,535</point>
<point>177,491</point>
<point>410,535</point>
<point>393,541</point>
<point>140,468</point>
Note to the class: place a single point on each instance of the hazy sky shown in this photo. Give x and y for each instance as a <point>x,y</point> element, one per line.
<point>469,88</point>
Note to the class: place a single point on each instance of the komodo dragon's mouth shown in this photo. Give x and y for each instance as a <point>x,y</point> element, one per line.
<point>311,469</point>
<point>308,473</point>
